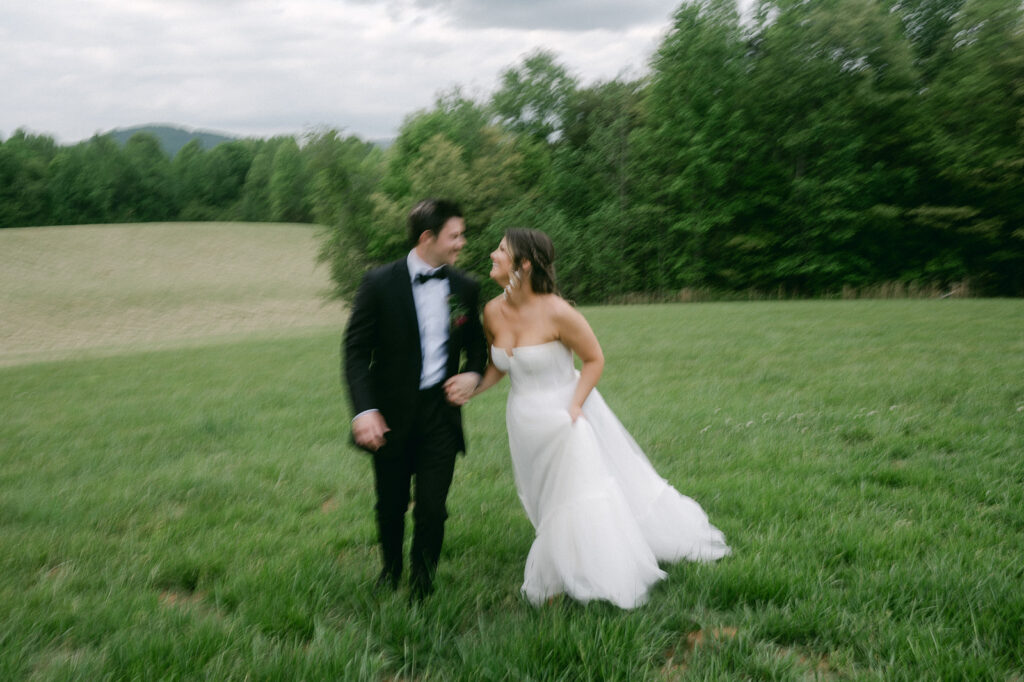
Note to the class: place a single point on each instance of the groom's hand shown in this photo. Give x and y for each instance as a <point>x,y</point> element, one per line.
<point>368,430</point>
<point>459,388</point>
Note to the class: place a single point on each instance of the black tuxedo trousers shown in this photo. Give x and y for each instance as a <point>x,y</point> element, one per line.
<point>426,455</point>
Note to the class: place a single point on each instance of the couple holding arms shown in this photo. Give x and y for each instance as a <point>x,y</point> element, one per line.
<point>415,351</point>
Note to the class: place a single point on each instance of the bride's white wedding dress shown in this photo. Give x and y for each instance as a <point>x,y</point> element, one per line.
<point>603,516</point>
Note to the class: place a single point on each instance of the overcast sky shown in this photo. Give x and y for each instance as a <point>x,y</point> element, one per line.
<point>72,68</point>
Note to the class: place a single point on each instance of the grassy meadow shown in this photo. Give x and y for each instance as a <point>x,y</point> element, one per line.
<point>97,289</point>
<point>191,509</point>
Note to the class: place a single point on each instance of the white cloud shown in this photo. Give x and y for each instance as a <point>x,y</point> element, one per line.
<point>262,67</point>
<point>564,15</point>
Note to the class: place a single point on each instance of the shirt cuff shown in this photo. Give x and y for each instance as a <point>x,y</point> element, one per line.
<point>364,412</point>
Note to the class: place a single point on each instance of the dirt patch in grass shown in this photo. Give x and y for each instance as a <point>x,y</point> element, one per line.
<point>99,289</point>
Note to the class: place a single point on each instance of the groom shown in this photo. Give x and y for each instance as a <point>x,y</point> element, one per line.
<point>412,325</point>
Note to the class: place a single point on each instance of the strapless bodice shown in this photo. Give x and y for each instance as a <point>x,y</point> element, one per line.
<point>542,366</point>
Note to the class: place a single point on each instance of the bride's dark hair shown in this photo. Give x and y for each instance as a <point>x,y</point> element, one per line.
<point>536,247</point>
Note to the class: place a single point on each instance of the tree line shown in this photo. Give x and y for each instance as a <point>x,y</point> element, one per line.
<point>101,181</point>
<point>810,147</point>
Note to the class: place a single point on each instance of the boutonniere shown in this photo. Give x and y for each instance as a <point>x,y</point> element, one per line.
<point>458,313</point>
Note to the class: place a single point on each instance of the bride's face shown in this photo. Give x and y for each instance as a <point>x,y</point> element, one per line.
<point>501,263</point>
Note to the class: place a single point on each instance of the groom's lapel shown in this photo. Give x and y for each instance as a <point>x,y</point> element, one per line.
<point>458,283</point>
<point>457,291</point>
<point>403,290</point>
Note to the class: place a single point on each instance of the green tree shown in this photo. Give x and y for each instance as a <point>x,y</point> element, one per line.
<point>189,172</point>
<point>256,190</point>
<point>830,90</point>
<point>226,168</point>
<point>24,183</point>
<point>691,147</point>
<point>211,183</point>
<point>145,189</point>
<point>287,184</point>
<point>84,180</point>
<point>451,151</point>
<point>345,173</point>
<point>594,164</point>
<point>973,121</point>
<point>483,184</point>
<point>927,24</point>
<point>534,97</point>
<point>455,117</point>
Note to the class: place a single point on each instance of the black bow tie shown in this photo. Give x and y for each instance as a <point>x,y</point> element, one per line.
<point>440,273</point>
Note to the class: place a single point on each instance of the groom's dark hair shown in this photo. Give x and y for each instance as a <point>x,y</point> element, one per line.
<point>431,214</point>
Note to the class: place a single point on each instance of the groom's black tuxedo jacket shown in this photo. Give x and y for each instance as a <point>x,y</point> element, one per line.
<point>382,355</point>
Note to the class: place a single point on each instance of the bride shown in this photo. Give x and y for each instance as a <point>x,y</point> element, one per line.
<point>603,516</point>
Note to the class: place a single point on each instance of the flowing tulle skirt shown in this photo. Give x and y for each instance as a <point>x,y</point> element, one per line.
<point>603,516</point>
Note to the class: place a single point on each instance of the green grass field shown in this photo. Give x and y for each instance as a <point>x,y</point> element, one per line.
<point>196,512</point>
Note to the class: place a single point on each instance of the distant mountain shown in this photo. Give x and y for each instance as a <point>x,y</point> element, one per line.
<point>172,138</point>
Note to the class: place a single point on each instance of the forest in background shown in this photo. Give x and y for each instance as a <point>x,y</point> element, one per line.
<point>818,146</point>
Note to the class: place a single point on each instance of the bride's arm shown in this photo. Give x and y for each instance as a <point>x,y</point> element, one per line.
<point>576,334</point>
<point>492,374</point>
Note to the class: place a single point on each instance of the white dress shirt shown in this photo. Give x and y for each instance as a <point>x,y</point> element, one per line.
<point>431,298</point>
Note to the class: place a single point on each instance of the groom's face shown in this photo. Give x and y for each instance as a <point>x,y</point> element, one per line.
<point>445,247</point>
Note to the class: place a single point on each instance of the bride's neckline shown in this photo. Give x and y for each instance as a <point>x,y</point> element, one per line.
<point>511,351</point>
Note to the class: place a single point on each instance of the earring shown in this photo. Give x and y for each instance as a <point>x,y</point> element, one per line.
<point>513,283</point>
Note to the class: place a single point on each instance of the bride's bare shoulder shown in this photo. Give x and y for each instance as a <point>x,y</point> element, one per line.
<point>492,305</point>
<point>558,306</point>
<point>492,309</point>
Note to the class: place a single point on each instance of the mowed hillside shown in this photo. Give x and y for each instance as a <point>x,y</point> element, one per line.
<point>113,288</point>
